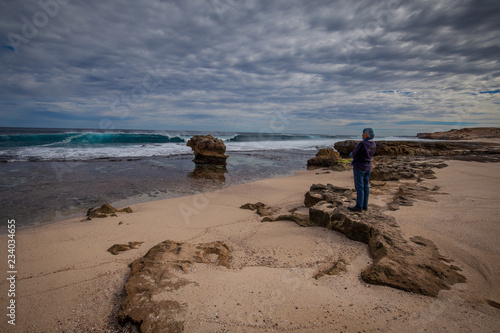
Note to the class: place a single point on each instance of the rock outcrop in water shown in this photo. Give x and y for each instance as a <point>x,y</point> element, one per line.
<point>328,158</point>
<point>463,134</point>
<point>413,265</point>
<point>208,150</point>
<point>324,158</point>
<point>150,288</point>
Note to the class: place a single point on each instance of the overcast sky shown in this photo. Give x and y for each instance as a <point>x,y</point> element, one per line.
<point>311,66</point>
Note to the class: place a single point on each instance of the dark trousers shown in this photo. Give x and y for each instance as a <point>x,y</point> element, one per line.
<point>362,185</point>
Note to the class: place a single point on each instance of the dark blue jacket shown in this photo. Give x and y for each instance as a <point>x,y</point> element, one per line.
<point>362,155</point>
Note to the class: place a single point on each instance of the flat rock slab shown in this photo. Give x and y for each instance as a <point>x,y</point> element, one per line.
<point>162,270</point>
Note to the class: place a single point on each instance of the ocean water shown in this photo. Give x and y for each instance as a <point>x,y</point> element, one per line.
<point>48,175</point>
<point>23,144</point>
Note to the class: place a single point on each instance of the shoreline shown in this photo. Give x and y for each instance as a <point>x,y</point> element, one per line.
<point>61,191</point>
<point>50,194</point>
<point>65,264</point>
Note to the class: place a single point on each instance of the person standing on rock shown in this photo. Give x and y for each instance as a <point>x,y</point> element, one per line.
<point>362,165</point>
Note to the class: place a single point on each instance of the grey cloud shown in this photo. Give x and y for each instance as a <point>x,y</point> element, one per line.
<point>318,59</point>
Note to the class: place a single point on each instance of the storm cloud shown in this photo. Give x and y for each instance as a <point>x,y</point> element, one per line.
<point>289,66</point>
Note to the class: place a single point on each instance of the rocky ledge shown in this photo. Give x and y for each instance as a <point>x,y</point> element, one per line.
<point>463,134</point>
<point>403,168</point>
<point>208,150</point>
<point>424,148</point>
<point>413,265</point>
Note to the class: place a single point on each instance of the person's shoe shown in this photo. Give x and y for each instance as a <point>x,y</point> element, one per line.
<point>354,209</point>
<point>365,208</point>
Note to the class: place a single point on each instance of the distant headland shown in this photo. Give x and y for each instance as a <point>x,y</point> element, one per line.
<point>463,134</point>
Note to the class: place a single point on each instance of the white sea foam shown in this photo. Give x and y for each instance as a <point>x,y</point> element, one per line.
<point>82,153</point>
<point>88,145</point>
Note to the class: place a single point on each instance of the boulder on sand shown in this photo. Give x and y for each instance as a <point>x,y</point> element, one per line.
<point>208,150</point>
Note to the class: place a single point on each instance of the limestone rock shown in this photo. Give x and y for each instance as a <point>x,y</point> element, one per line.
<point>105,211</point>
<point>251,206</point>
<point>324,158</point>
<point>463,134</point>
<point>153,279</point>
<point>423,148</point>
<point>208,150</point>
<point>414,265</point>
<point>408,194</point>
<point>391,169</point>
<point>260,208</point>
<point>329,193</point>
<point>300,219</point>
<point>384,172</point>
<point>119,248</point>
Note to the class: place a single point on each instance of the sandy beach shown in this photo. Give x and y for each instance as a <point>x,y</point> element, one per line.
<point>67,281</point>
<point>252,166</point>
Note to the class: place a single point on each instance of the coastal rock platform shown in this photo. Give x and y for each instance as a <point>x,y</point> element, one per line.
<point>463,134</point>
<point>413,265</point>
<point>449,149</point>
